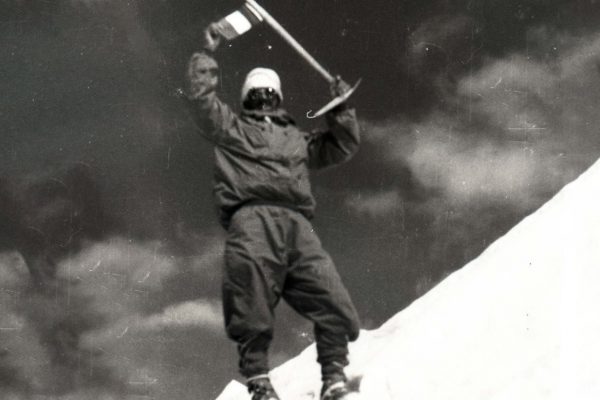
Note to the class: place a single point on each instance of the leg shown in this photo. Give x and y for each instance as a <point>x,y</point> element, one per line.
<point>251,287</point>
<point>314,289</point>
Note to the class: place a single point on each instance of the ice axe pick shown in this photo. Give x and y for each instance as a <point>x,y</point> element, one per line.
<point>306,56</point>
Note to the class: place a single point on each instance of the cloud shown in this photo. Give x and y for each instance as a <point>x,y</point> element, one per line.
<point>91,335</point>
<point>468,172</point>
<point>139,264</point>
<point>90,2</point>
<point>519,129</point>
<point>375,204</point>
<point>13,271</point>
<point>128,283</point>
<point>441,36</point>
<point>523,94</point>
<point>202,314</point>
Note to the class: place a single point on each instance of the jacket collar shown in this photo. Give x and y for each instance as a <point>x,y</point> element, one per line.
<point>279,116</point>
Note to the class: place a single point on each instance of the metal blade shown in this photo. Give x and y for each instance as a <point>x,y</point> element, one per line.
<point>333,103</point>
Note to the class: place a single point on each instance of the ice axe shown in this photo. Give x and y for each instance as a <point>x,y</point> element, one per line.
<point>242,20</point>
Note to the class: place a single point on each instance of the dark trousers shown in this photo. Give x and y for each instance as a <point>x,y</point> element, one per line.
<point>273,252</point>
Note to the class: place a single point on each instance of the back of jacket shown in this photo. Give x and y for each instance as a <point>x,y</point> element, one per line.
<point>265,157</point>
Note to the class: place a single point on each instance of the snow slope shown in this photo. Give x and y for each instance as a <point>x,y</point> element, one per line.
<point>520,322</point>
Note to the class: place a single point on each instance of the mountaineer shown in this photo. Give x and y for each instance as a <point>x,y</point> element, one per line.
<point>263,194</point>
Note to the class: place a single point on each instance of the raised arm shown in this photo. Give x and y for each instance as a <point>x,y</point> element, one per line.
<point>340,141</point>
<point>213,117</point>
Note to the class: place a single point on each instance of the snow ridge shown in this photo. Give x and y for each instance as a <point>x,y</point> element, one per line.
<point>518,322</point>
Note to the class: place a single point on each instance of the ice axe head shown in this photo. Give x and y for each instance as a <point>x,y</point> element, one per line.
<point>345,92</point>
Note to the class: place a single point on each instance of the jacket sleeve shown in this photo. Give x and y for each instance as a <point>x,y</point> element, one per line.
<point>213,118</point>
<point>338,143</point>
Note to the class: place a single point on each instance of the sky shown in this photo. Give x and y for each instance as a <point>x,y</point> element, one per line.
<point>473,114</point>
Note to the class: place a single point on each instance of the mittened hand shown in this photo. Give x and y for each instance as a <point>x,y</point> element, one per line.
<point>339,87</point>
<point>202,75</point>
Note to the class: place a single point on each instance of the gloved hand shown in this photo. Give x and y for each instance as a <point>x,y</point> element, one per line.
<point>338,87</point>
<point>202,75</point>
<point>212,37</point>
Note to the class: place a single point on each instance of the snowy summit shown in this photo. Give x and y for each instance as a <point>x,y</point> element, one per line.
<point>520,322</point>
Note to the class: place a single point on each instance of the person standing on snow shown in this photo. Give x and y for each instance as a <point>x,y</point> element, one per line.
<point>263,194</point>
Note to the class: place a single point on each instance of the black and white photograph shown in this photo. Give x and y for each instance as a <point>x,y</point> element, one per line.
<point>299,200</point>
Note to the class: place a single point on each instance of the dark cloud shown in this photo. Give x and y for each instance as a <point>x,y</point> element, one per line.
<point>48,215</point>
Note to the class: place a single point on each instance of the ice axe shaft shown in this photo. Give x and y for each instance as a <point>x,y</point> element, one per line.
<point>293,42</point>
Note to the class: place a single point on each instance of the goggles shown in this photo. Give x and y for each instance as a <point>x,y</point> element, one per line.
<point>265,98</point>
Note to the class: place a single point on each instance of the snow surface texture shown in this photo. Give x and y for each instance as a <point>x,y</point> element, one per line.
<point>520,322</point>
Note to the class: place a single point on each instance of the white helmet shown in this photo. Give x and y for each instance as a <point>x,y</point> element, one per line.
<point>262,78</point>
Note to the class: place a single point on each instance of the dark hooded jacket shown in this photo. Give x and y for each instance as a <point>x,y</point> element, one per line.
<point>264,158</point>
